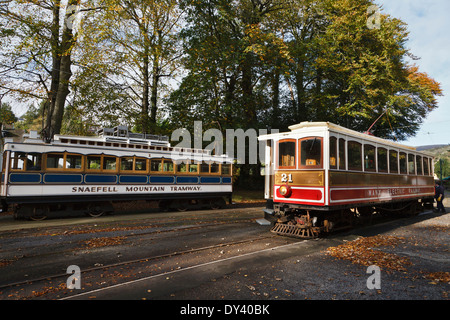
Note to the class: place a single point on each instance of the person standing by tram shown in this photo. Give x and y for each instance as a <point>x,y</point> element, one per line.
<point>439,196</point>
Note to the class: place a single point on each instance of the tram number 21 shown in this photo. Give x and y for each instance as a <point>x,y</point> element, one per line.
<point>286,178</point>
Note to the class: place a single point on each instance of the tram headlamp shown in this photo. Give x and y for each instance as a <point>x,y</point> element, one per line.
<point>285,191</point>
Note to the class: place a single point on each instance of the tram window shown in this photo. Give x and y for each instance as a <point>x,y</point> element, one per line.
<point>34,161</point>
<point>204,167</point>
<point>226,169</point>
<point>155,165</point>
<point>73,161</point>
<point>167,166</point>
<point>286,150</point>
<point>426,167</point>
<point>140,164</point>
<point>393,161</point>
<point>193,168</point>
<point>18,160</point>
<point>214,168</point>
<point>411,164</point>
<point>333,153</point>
<point>55,161</point>
<point>109,163</point>
<point>311,152</point>
<point>342,154</point>
<point>419,165</point>
<point>403,163</point>
<point>354,156</point>
<point>94,162</point>
<point>182,167</point>
<point>382,160</point>
<point>126,164</point>
<point>369,158</point>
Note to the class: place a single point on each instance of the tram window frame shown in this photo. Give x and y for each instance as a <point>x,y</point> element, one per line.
<point>370,164</point>
<point>125,164</point>
<point>64,157</point>
<point>413,162</point>
<point>204,165</point>
<point>104,164</point>
<point>17,161</point>
<point>191,166</point>
<point>181,165</point>
<point>307,159</point>
<point>354,157</point>
<point>60,157</point>
<point>426,166</point>
<point>88,163</point>
<point>419,165</point>
<point>333,157</point>
<point>403,162</point>
<point>291,161</point>
<point>342,161</point>
<point>165,166</point>
<point>34,163</point>
<point>230,170</point>
<point>393,162</point>
<point>141,169</point>
<point>214,165</point>
<point>154,163</point>
<point>382,159</point>
<point>73,155</point>
<point>169,163</point>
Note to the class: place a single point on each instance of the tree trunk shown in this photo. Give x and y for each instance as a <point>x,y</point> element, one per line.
<point>154,96</point>
<point>302,112</point>
<point>145,93</point>
<point>65,73</point>
<point>56,65</point>
<point>247,93</point>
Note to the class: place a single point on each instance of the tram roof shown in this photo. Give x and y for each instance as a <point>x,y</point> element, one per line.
<point>306,126</point>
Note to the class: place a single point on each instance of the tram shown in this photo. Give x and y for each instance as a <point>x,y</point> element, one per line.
<point>89,174</point>
<point>321,176</point>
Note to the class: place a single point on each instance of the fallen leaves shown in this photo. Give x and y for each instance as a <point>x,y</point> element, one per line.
<point>437,277</point>
<point>361,251</point>
<point>103,242</point>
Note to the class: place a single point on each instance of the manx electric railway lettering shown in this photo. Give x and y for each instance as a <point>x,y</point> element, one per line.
<point>321,177</point>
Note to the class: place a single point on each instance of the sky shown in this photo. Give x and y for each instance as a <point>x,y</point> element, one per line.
<point>429,39</point>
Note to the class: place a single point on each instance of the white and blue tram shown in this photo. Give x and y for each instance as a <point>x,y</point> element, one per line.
<point>89,174</point>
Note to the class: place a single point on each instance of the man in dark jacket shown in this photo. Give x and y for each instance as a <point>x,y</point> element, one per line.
<point>439,196</point>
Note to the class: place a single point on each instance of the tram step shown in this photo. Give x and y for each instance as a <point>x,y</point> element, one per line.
<point>295,231</point>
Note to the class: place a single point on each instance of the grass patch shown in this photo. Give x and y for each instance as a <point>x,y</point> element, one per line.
<point>248,196</point>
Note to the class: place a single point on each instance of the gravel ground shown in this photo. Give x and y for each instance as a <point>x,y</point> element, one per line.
<point>418,269</point>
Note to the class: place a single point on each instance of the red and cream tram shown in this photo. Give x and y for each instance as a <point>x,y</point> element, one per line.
<point>320,176</point>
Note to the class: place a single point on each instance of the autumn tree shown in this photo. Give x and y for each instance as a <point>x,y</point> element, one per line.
<point>131,46</point>
<point>230,52</point>
<point>35,60</point>
<point>361,74</point>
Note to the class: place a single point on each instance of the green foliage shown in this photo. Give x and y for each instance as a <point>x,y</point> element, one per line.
<point>275,63</point>
<point>6,114</point>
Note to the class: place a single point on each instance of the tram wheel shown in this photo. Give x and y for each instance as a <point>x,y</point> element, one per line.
<point>39,213</point>
<point>95,210</point>
<point>216,204</point>
<point>182,205</point>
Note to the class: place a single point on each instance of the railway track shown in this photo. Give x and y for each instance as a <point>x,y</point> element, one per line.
<point>43,282</point>
<point>30,257</point>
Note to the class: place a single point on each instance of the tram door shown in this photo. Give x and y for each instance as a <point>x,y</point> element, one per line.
<point>269,170</point>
